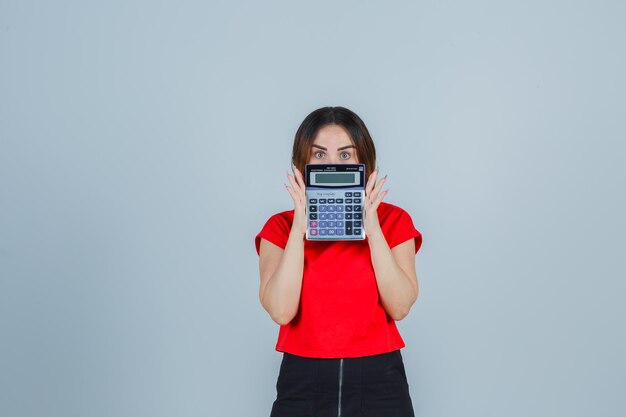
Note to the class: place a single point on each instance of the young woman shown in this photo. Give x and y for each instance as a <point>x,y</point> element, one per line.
<point>337,301</point>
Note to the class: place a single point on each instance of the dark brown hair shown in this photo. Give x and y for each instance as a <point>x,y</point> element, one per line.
<point>303,141</point>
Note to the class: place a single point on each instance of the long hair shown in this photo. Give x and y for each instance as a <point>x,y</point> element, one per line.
<point>341,116</point>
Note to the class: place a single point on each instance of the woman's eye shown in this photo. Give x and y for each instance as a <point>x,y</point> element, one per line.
<point>345,155</point>
<point>319,154</point>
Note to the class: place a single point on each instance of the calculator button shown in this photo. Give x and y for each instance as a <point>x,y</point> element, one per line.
<point>339,232</point>
<point>339,216</point>
<point>323,216</point>
<point>331,232</point>
<point>348,201</point>
<point>331,224</point>
<point>357,201</point>
<point>323,224</point>
<point>312,208</point>
<point>313,224</point>
<point>323,232</point>
<point>348,228</point>
<point>313,232</point>
<point>348,194</point>
<point>322,201</point>
<point>313,200</point>
<point>339,200</point>
<point>358,216</point>
<point>357,208</point>
<point>313,216</point>
<point>357,223</point>
<point>348,216</point>
<point>357,231</point>
<point>348,208</point>
<point>332,216</point>
<point>339,223</point>
<point>331,208</point>
<point>331,201</point>
<point>338,208</point>
<point>357,194</point>
<point>323,208</point>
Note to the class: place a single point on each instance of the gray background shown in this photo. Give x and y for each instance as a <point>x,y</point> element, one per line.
<point>144,144</point>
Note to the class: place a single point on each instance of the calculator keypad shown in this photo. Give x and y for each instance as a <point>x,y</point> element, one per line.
<point>340,217</point>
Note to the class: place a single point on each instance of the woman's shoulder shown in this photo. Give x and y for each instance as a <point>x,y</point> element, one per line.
<point>276,229</point>
<point>388,209</point>
<point>282,216</point>
<point>392,216</point>
<point>397,225</point>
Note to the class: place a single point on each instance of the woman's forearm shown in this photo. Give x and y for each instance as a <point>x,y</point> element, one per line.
<point>394,286</point>
<point>281,297</point>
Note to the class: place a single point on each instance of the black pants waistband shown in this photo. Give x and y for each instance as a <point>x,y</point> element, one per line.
<point>370,385</point>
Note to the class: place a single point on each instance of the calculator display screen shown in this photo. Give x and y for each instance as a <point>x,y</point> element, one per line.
<point>335,175</point>
<point>338,178</point>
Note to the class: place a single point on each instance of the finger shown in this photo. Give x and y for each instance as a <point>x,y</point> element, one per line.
<point>379,199</point>
<point>294,186</point>
<point>297,175</point>
<point>299,178</point>
<point>371,181</point>
<point>297,201</point>
<point>379,185</point>
<point>292,181</point>
<point>372,178</point>
<point>291,190</point>
<point>374,193</point>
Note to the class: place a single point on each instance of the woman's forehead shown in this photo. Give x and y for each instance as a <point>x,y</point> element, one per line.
<point>332,136</point>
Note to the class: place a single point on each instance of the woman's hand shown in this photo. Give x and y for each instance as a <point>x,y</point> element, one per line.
<point>298,194</point>
<point>373,197</point>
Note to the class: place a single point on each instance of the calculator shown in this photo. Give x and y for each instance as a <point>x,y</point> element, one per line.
<point>335,195</point>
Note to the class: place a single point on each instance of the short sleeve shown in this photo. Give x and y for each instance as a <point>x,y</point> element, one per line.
<point>275,230</point>
<point>402,229</point>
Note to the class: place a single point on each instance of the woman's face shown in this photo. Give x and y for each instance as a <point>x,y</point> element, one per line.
<point>332,145</point>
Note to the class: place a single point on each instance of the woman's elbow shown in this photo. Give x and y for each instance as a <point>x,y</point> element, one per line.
<point>400,314</point>
<point>282,319</point>
<point>280,314</point>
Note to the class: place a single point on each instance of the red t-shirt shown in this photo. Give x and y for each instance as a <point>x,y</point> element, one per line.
<point>340,314</point>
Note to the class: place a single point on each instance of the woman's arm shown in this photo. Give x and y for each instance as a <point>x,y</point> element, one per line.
<point>395,274</point>
<point>281,277</point>
<point>394,268</point>
<point>281,270</point>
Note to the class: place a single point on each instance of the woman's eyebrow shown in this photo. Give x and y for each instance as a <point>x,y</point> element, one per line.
<point>339,149</point>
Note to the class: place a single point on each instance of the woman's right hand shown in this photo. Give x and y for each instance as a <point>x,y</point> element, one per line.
<point>298,194</point>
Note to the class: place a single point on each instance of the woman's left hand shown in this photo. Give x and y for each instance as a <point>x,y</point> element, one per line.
<point>373,197</point>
